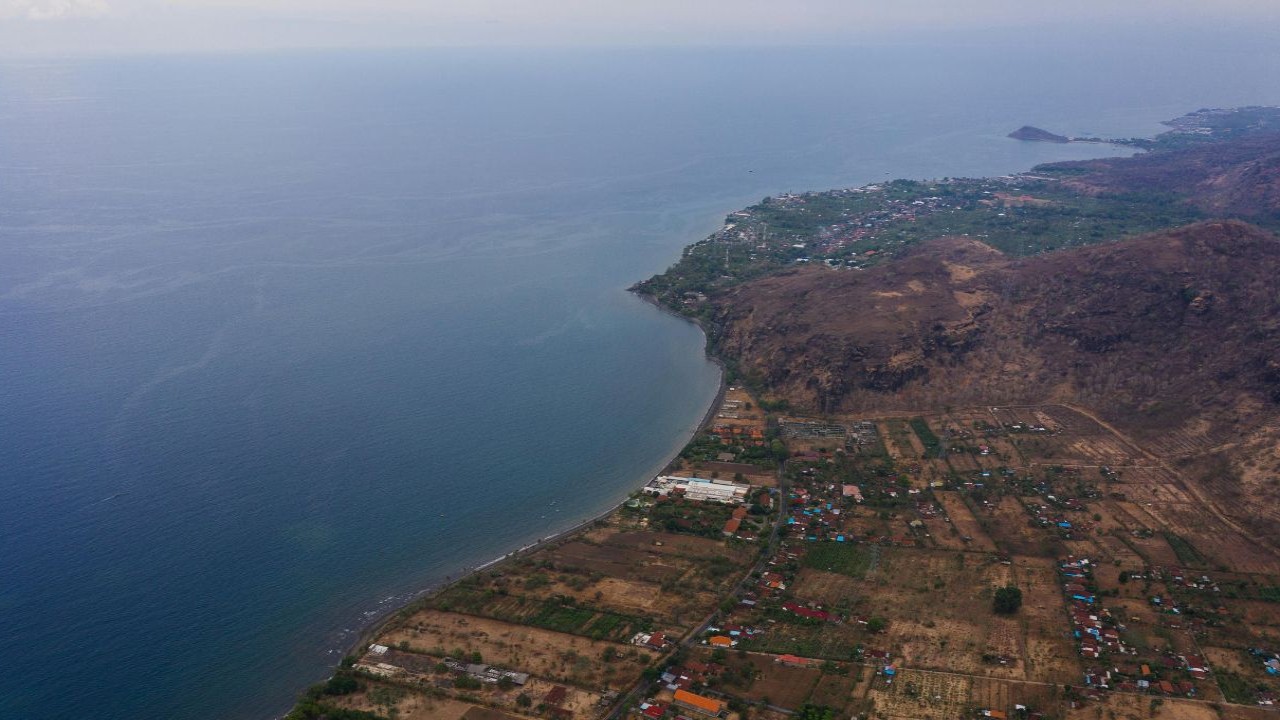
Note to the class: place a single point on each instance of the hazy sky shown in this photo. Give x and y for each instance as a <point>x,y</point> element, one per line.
<point>95,26</point>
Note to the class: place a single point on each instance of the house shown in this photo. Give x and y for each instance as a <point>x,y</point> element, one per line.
<point>852,491</point>
<point>653,709</point>
<point>699,704</point>
<point>721,641</point>
<point>1196,664</point>
<point>796,661</point>
<point>655,641</point>
<point>805,612</point>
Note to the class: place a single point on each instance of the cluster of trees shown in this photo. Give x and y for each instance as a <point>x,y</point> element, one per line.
<point>1007,600</point>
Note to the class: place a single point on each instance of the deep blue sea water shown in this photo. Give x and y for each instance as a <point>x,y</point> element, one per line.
<point>287,337</point>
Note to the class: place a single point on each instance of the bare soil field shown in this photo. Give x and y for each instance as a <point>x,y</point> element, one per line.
<point>1123,706</point>
<point>896,441</point>
<point>990,694</point>
<point>954,635</point>
<point>920,695</point>
<point>783,686</point>
<point>835,641</point>
<point>672,544</point>
<point>943,535</point>
<point>408,706</point>
<point>952,644</point>
<point>835,691</point>
<point>1012,532</point>
<point>827,588</point>
<point>751,474</point>
<point>964,521</point>
<point>1049,654</point>
<point>676,608</point>
<point>619,562</point>
<point>549,655</point>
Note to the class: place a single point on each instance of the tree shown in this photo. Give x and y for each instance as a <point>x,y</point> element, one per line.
<point>341,685</point>
<point>1007,600</point>
<point>815,712</point>
<point>466,682</point>
<point>876,624</point>
<point>523,700</point>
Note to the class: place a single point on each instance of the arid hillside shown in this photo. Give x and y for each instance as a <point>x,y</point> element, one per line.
<point>1238,178</point>
<point>1161,325</point>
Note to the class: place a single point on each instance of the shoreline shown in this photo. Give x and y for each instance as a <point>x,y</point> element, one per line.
<point>375,625</point>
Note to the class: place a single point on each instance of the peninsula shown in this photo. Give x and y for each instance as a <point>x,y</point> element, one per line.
<point>990,448</point>
<point>1035,134</point>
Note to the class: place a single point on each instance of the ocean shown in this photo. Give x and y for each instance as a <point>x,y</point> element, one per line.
<point>288,337</point>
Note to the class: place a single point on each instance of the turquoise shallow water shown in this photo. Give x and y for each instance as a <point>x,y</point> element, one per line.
<point>286,338</point>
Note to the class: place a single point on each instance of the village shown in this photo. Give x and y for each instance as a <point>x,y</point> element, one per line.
<point>995,562</point>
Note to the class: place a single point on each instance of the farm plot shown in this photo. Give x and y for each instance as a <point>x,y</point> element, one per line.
<point>852,560</point>
<point>1098,450</point>
<point>1003,642</point>
<point>550,655</point>
<point>989,694</point>
<point>1133,517</point>
<point>835,691</point>
<point>1125,706</point>
<point>826,588</point>
<point>785,687</point>
<point>944,535</point>
<point>407,705</point>
<point>672,604</point>
<point>751,474</point>
<point>1012,532</point>
<point>547,613</point>
<point>897,440</point>
<point>952,644</point>
<point>619,562</point>
<point>1199,538</point>
<point>1049,654</point>
<point>831,641</point>
<point>671,544</point>
<point>921,695</point>
<point>621,596</point>
<point>964,521</point>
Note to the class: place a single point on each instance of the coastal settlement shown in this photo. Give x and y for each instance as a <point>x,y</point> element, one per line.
<point>998,562</point>
<point>986,561</point>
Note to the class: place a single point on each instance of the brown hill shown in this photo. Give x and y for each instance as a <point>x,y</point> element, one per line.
<point>1239,177</point>
<point>1155,324</point>
<point>1170,334</point>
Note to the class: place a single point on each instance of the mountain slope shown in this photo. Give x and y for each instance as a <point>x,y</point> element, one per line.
<point>1152,325</point>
